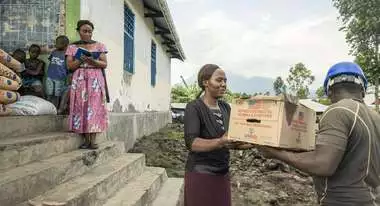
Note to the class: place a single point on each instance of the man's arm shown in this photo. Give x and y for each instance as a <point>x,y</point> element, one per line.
<point>331,141</point>
<point>323,161</point>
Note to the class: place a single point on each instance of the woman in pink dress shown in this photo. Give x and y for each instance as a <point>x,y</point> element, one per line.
<point>88,111</point>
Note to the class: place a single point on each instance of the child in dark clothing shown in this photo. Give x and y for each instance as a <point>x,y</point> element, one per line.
<point>57,71</point>
<point>34,72</point>
<point>19,55</point>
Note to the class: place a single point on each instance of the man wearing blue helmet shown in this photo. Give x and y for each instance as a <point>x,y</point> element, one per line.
<point>346,161</point>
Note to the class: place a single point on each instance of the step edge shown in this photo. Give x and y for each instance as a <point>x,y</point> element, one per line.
<point>179,189</point>
<point>30,139</point>
<point>159,175</point>
<point>47,163</point>
<point>55,190</point>
<point>110,150</point>
<point>25,151</point>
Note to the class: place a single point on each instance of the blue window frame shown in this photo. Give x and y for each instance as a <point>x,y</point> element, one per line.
<point>153,64</point>
<point>129,36</point>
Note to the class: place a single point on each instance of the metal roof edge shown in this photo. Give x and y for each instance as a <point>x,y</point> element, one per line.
<point>168,18</point>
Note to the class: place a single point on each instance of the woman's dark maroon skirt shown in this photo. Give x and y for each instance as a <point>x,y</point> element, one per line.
<point>207,190</point>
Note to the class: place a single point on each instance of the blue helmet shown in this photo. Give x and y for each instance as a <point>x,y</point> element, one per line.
<point>345,72</point>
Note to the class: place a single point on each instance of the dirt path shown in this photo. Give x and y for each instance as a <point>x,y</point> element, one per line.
<point>255,180</point>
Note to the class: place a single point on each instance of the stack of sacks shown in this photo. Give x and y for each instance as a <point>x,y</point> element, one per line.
<point>10,82</point>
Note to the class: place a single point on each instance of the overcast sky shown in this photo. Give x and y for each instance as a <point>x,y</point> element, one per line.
<point>258,37</point>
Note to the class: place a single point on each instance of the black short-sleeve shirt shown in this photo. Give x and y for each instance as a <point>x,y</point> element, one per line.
<point>203,122</point>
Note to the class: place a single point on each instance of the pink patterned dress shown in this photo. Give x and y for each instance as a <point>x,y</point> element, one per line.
<point>88,107</point>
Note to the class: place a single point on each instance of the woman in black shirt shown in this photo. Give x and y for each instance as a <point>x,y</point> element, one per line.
<point>206,124</point>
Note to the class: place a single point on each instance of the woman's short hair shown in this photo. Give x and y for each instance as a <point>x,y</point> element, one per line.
<point>80,23</point>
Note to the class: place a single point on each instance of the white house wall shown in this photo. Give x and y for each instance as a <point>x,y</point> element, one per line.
<point>130,92</point>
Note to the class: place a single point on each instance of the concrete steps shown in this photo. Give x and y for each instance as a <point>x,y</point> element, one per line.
<point>171,193</point>
<point>140,191</point>
<point>41,165</point>
<point>96,186</point>
<point>18,126</point>
<point>19,151</point>
<point>22,183</point>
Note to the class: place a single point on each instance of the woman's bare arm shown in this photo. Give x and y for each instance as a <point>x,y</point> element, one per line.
<point>72,63</point>
<point>206,145</point>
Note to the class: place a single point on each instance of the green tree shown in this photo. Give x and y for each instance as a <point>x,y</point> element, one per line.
<point>278,86</point>
<point>361,22</point>
<point>182,94</point>
<point>320,92</point>
<point>325,101</point>
<point>370,67</point>
<point>322,99</point>
<point>245,95</point>
<point>230,96</point>
<point>299,80</point>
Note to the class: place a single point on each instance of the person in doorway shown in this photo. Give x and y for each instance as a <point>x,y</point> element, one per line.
<point>346,161</point>
<point>88,111</point>
<point>206,125</point>
<point>33,75</point>
<point>57,71</point>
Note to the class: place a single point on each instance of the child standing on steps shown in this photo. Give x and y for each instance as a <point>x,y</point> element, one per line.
<point>57,71</point>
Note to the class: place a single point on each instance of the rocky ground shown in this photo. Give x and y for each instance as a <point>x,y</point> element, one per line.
<point>255,180</point>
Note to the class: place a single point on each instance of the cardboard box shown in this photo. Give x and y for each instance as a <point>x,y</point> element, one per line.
<point>276,121</point>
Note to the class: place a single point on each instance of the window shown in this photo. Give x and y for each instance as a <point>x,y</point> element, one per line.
<point>153,62</point>
<point>129,35</point>
<point>15,30</point>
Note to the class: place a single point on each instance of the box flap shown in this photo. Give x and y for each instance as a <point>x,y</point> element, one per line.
<point>291,104</point>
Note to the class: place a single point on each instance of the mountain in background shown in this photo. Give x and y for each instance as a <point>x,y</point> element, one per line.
<point>249,85</point>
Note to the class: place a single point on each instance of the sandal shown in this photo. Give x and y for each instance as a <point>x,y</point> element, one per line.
<point>93,146</point>
<point>85,145</point>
